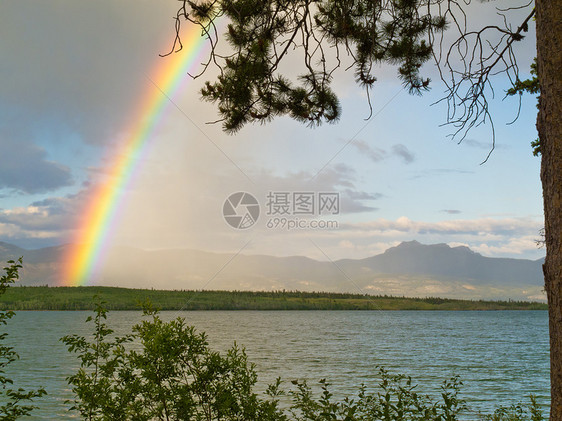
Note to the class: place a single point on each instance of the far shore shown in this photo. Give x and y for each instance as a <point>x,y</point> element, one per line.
<point>82,298</point>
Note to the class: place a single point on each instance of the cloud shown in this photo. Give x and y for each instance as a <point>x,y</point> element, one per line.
<point>352,201</point>
<point>403,152</point>
<point>100,59</point>
<point>79,64</point>
<point>477,144</point>
<point>51,215</point>
<point>451,211</point>
<point>495,237</point>
<point>31,226</point>
<point>473,227</point>
<point>195,221</point>
<point>487,146</point>
<point>192,214</point>
<point>373,153</point>
<point>339,178</point>
<point>24,167</point>
<point>79,74</point>
<point>360,195</point>
<point>439,172</point>
<point>376,154</point>
<point>43,223</point>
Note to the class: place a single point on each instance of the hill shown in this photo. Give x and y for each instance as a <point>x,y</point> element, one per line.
<point>410,268</point>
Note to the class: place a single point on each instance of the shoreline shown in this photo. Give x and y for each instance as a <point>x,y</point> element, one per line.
<point>43,298</point>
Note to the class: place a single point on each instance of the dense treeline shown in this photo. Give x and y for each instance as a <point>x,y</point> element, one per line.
<point>80,298</point>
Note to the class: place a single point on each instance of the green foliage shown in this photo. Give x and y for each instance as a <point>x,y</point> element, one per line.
<point>284,54</point>
<point>251,87</point>
<point>167,372</point>
<point>13,402</point>
<point>80,298</point>
<point>518,412</point>
<point>396,400</point>
<point>531,86</point>
<point>98,395</point>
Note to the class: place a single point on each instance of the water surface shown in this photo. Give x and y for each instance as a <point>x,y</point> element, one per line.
<point>501,356</point>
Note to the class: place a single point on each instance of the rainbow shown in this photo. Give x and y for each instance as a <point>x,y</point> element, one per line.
<point>101,211</point>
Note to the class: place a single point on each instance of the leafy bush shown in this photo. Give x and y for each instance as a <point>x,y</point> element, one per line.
<point>518,412</point>
<point>396,400</point>
<point>13,402</point>
<point>167,372</point>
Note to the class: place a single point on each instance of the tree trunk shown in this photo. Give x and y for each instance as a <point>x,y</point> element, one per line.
<point>549,125</point>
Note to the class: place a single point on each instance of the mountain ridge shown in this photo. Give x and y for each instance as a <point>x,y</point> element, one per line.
<point>409,268</point>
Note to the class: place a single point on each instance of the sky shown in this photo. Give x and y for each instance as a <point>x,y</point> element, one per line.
<point>73,75</point>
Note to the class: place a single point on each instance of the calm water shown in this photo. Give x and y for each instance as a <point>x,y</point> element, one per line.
<point>502,357</point>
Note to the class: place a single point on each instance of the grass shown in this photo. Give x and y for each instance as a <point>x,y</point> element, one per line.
<point>80,298</point>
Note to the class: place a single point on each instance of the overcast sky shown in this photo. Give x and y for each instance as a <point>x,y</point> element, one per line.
<point>73,73</point>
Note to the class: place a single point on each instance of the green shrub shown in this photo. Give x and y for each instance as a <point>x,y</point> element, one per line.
<point>167,372</point>
<point>14,403</point>
<point>395,400</point>
<point>518,412</point>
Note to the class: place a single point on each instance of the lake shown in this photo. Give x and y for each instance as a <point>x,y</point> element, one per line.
<point>501,356</point>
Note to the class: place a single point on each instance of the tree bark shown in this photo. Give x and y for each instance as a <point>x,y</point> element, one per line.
<point>549,125</point>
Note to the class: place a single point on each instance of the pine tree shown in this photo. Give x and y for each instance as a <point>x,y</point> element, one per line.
<point>328,34</point>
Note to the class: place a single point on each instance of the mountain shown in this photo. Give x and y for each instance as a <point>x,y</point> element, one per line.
<point>41,266</point>
<point>442,261</point>
<point>410,269</point>
<point>9,251</point>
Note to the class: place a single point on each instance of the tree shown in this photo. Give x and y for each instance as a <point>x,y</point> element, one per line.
<point>549,125</point>
<point>250,86</point>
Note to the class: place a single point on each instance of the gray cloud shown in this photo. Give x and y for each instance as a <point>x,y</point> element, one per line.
<point>43,223</point>
<point>49,215</point>
<point>352,206</point>
<point>356,195</point>
<point>507,237</point>
<point>340,178</point>
<point>376,154</point>
<point>51,220</point>
<point>477,144</point>
<point>439,172</point>
<point>336,176</point>
<point>24,167</point>
<point>94,57</point>
<point>451,211</point>
<point>484,146</point>
<point>404,153</point>
<point>471,227</point>
<point>79,64</point>
<point>373,153</point>
<point>353,201</point>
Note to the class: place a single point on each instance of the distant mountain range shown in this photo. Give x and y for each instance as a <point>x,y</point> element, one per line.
<point>409,269</point>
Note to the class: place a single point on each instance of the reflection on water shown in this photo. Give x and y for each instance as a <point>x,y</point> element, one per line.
<point>502,357</point>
